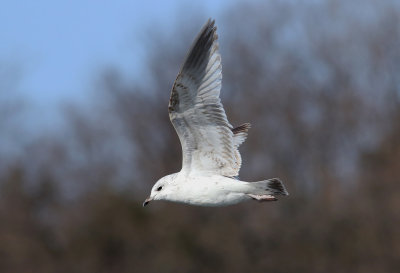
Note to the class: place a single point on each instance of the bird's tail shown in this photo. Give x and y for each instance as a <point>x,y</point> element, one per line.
<point>273,186</point>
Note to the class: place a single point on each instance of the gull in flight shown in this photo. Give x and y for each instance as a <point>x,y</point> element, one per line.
<point>211,160</point>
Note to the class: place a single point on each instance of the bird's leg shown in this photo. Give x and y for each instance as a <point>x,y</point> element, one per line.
<point>263,198</point>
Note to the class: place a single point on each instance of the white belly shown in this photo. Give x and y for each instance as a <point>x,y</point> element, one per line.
<point>212,191</point>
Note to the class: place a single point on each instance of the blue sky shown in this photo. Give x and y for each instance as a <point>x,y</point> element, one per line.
<point>59,46</point>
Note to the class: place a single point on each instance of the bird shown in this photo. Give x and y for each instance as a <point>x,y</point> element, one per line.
<point>210,157</point>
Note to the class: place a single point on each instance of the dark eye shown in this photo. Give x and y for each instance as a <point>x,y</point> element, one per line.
<point>159,188</point>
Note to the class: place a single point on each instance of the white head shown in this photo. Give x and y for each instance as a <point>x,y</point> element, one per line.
<point>162,189</point>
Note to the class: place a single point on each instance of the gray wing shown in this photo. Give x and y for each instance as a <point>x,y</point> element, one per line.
<point>195,110</point>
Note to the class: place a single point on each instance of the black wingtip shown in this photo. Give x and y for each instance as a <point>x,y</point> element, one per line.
<point>201,46</point>
<point>244,128</point>
<point>209,24</point>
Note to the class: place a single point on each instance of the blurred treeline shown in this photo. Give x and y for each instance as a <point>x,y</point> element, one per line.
<point>320,83</point>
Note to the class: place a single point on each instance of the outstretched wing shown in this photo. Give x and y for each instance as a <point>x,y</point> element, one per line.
<point>196,111</point>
